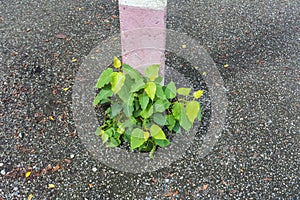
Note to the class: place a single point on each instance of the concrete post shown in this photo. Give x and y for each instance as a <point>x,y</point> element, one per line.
<point>143,33</point>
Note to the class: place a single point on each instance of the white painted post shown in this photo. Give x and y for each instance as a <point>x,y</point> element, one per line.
<point>143,33</point>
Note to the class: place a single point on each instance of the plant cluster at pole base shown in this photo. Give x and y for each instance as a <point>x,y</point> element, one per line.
<point>140,108</point>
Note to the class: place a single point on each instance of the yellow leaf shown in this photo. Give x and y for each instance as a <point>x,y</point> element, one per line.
<point>117,62</point>
<point>30,197</point>
<point>146,136</point>
<point>196,67</point>
<point>51,186</point>
<point>204,73</point>
<point>183,46</point>
<point>79,9</point>
<point>74,60</point>
<point>198,94</point>
<point>51,118</point>
<point>27,174</point>
<point>226,65</point>
<point>66,89</point>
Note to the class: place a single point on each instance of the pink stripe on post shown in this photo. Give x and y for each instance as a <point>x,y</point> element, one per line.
<point>143,33</point>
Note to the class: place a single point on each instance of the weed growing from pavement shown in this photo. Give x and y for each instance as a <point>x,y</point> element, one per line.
<point>140,111</point>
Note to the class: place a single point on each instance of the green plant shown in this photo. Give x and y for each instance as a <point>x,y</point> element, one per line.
<point>139,109</point>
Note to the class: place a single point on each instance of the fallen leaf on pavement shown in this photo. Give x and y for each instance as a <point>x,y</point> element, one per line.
<point>267,179</point>
<point>27,174</point>
<point>60,36</point>
<point>204,187</point>
<point>30,197</point>
<point>66,89</point>
<point>56,168</point>
<point>51,186</point>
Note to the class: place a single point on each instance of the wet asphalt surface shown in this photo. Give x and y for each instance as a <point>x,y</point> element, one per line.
<point>256,48</point>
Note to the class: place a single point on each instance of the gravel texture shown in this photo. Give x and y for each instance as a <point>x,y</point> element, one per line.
<point>256,47</point>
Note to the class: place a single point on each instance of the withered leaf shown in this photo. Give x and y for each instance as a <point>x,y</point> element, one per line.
<point>60,36</point>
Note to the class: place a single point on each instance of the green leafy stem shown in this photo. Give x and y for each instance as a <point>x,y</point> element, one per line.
<point>140,108</point>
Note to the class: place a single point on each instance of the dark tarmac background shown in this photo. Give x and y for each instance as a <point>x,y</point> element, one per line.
<point>257,157</point>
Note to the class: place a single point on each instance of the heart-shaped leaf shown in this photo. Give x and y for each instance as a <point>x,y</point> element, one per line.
<point>184,91</point>
<point>138,137</point>
<point>103,95</point>
<point>104,78</point>
<point>117,62</point>
<point>151,89</point>
<point>143,100</point>
<point>192,109</point>
<point>157,133</point>
<point>170,90</point>
<point>147,113</point>
<point>117,81</point>
<point>162,143</point>
<point>152,72</point>
<point>184,120</point>
<point>159,118</point>
<point>133,73</point>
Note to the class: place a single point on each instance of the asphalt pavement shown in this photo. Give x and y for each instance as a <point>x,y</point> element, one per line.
<point>255,45</point>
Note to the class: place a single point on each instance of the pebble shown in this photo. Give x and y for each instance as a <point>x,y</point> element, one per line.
<point>72,156</point>
<point>94,169</point>
<point>3,172</point>
<point>1,164</point>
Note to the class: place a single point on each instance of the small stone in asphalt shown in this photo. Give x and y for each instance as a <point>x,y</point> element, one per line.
<point>94,169</point>
<point>3,172</point>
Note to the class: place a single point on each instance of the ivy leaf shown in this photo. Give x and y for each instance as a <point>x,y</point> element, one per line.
<point>138,137</point>
<point>198,94</point>
<point>103,95</point>
<point>170,90</point>
<point>184,91</point>
<point>117,62</point>
<point>151,89</point>
<point>152,72</point>
<point>159,119</point>
<point>104,78</point>
<point>143,100</point>
<point>117,81</point>
<point>192,109</point>
<point>133,73</point>
<point>162,143</point>
<point>157,133</point>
